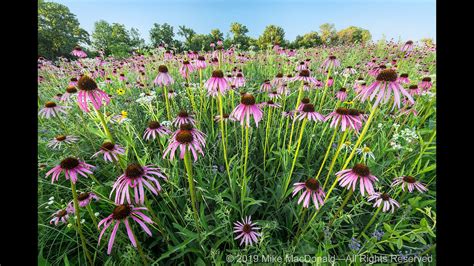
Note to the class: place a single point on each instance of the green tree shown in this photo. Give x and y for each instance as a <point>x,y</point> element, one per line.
<point>162,34</point>
<point>270,36</point>
<point>200,42</point>
<point>187,34</point>
<point>328,33</point>
<point>217,35</point>
<point>427,41</point>
<point>115,39</point>
<point>308,40</point>
<point>239,37</point>
<point>58,30</point>
<point>353,34</point>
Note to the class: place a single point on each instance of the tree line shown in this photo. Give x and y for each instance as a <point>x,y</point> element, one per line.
<point>59,32</point>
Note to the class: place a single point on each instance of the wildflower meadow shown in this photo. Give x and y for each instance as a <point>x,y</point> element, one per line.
<point>226,155</point>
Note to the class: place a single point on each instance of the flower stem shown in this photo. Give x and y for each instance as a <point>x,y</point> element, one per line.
<point>298,100</point>
<point>139,248</point>
<point>104,125</point>
<point>189,170</point>
<point>327,151</point>
<point>356,145</point>
<point>244,176</point>
<point>165,95</point>
<point>78,222</point>
<point>325,88</point>
<point>91,214</point>
<point>267,129</point>
<point>294,158</point>
<point>371,221</point>
<point>223,137</point>
<point>334,158</point>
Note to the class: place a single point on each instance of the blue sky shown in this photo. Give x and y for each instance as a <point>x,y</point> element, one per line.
<point>396,19</point>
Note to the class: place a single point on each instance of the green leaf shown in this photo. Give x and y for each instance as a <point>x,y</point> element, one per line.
<point>66,261</point>
<point>387,227</point>
<point>399,243</point>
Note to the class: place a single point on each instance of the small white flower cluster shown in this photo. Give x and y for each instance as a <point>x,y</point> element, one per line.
<point>50,202</point>
<point>404,139</point>
<point>428,94</point>
<point>145,99</point>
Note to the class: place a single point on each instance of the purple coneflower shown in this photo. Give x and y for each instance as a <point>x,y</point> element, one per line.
<point>341,95</point>
<point>247,108</point>
<point>78,52</point>
<point>163,78</point>
<point>171,94</point>
<point>388,203</point>
<point>70,91</point>
<point>410,182</point>
<point>60,139</point>
<point>304,76</point>
<point>277,80</point>
<point>51,109</point>
<point>71,168</point>
<point>414,90</point>
<point>312,191</point>
<point>266,86</point>
<point>331,61</point>
<point>60,216</point>
<point>225,117</point>
<point>301,66</point>
<point>349,177</point>
<point>200,63</point>
<point>239,80</point>
<point>186,138</point>
<point>385,84</point>
<point>407,47</point>
<point>247,231</point>
<point>121,213</point>
<point>110,151</point>
<point>303,102</point>
<point>403,79</point>
<point>183,118</point>
<point>330,81</point>
<point>83,199</point>
<point>88,91</point>
<point>168,55</point>
<point>274,95</point>
<point>347,118</point>
<point>308,112</point>
<point>185,69</point>
<point>349,70</point>
<point>136,177</point>
<point>155,128</point>
<point>425,83</point>
<point>270,103</point>
<point>217,83</point>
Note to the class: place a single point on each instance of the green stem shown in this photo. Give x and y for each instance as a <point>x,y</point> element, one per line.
<point>104,125</point>
<point>325,88</point>
<point>267,129</point>
<point>78,222</point>
<point>356,145</point>
<point>244,178</point>
<point>91,214</point>
<point>294,158</point>
<point>223,137</point>
<point>139,248</point>
<point>327,151</point>
<point>298,100</point>
<point>334,158</point>
<point>371,221</point>
<point>165,95</point>
<point>189,170</point>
